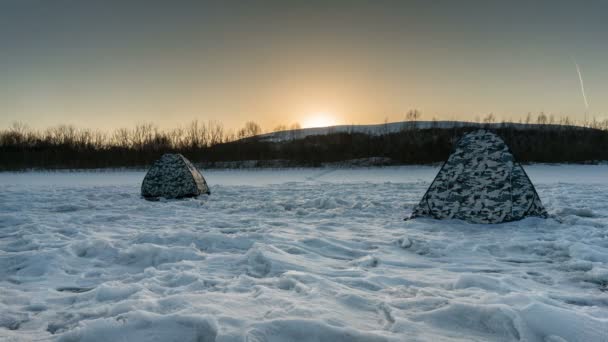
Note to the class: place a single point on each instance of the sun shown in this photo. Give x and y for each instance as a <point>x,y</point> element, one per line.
<point>319,119</point>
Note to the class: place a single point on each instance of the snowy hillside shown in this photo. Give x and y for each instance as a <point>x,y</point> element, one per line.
<point>297,255</point>
<point>380,129</point>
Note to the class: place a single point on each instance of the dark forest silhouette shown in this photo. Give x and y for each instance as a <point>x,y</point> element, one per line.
<point>65,147</point>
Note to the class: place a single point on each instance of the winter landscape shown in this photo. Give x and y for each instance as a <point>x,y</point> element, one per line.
<point>303,171</point>
<point>318,254</point>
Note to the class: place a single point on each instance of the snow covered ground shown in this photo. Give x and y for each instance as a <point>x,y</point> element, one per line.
<point>297,255</point>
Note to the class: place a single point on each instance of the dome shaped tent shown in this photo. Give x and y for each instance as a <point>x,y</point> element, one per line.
<point>173,176</point>
<point>480,183</point>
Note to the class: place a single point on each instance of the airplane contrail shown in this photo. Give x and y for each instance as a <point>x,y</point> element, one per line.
<point>580,77</point>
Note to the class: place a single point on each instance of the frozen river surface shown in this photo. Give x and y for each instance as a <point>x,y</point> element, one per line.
<point>297,255</point>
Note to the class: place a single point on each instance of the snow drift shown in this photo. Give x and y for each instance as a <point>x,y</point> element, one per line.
<point>297,255</point>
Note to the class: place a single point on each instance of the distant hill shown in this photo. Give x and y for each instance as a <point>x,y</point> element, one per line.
<point>395,127</point>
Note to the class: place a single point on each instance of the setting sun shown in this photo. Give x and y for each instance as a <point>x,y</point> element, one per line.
<point>319,119</point>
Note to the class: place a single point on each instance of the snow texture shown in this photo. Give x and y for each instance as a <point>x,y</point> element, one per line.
<point>481,183</point>
<point>173,176</point>
<point>297,255</point>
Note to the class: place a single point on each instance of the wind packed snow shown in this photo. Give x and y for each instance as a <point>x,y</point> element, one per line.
<point>297,255</point>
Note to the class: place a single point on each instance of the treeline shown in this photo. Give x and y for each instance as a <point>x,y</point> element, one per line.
<point>67,147</point>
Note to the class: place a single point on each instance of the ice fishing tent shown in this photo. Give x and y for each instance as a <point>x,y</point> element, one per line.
<point>173,176</point>
<point>481,183</point>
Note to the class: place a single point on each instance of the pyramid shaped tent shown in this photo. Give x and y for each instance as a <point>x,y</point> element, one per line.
<point>173,176</point>
<point>481,183</point>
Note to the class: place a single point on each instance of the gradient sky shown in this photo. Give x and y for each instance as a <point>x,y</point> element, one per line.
<point>108,64</point>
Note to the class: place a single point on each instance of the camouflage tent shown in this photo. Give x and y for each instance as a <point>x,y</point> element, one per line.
<point>173,176</point>
<point>481,183</point>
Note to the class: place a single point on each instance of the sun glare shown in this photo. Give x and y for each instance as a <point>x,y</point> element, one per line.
<point>319,119</point>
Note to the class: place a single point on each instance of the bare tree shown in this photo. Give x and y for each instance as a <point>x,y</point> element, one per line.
<point>121,138</point>
<point>280,128</point>
<point>541,119</point>
<point>142,135</point>
<point>230,135</point>
<point>249,130</point>
<point>528,118</point>
<point>194,134</point>
<point>61,135</point>
<point>412,115</point>
<point>488,119</point>
<point>99,139</point>
<point>19,128</point>
<point>411,118</point>
<point>216,133</point>
<point>177,138</point>
<point>253,128</point>
<point>294,130</point>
